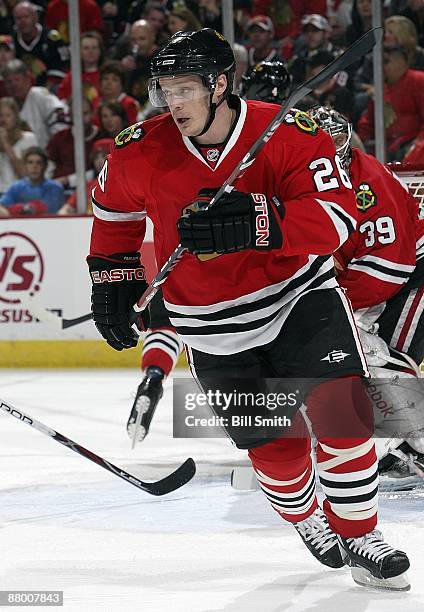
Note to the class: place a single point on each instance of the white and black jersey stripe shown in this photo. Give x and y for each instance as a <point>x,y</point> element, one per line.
<point>383,269</point>
<point>342,221</point>
<point>165,340</point>
<point>420,248</point>
<point>252,319</point>
<point>108,214</point>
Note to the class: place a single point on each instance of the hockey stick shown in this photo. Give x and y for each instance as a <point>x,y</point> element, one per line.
<point>42,314</point>
<point>359,48</point>
<point>174,481</point>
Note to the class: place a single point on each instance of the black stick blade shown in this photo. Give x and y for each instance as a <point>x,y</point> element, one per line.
<point>170,483</point>
<point>173,481</point>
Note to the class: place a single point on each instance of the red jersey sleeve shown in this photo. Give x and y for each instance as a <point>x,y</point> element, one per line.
<point>319,203</point>
<point>118,203</point>
<point>380,257</point>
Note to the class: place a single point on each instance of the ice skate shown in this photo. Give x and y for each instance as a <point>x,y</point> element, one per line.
<point>374,563</point>
<point>402,469</point>
<point>148,395</point>
<point>320,539</point>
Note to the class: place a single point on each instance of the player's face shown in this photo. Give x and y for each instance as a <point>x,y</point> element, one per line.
<point>339,140</point>
<point>187,99</point>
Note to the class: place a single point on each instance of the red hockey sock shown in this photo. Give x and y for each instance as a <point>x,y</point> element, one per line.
<point>161,348</point>
<point>286,475</point>
<point>347,466</point>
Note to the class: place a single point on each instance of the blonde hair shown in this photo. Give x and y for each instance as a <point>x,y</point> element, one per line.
<point>406,33</point>
<point>20,126</point>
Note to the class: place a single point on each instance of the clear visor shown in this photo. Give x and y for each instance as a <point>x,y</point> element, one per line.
<point>165,91</point>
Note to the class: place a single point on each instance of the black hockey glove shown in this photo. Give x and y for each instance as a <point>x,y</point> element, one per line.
<point>238,221</point>
<point>118,282</point>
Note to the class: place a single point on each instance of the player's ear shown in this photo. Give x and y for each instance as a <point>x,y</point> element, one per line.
<point>221,86</point>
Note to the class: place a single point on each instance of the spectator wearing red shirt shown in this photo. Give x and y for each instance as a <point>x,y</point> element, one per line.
<point>91,58</point>
<point>403,105</point>
<point>60,148</point>
<point>57,17</point>
<point>112,81</point>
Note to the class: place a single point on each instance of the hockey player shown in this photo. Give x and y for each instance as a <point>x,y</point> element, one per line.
<point>381,266</point>
<point>161,349</point>
<point>267,81</point>
<point>269,304</point>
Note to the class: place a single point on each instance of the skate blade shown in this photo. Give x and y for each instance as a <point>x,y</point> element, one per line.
<point>364,578</point>
<point>399,484</point>
<point>139,431</point>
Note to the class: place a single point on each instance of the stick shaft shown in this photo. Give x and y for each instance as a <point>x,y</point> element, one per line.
<point>175,480</point>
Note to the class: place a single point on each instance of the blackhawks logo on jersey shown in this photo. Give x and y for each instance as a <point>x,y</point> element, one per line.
<point>365,197</point>
<point>131,133</point>
<point>301,121</point>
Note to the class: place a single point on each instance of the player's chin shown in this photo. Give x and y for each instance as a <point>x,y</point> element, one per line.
<point>186,127</point>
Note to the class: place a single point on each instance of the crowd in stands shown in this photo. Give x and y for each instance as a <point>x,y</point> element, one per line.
<point>118,39</point>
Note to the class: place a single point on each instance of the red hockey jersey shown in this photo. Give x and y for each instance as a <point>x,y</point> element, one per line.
<point>236,301</point>
<point>379,258</point>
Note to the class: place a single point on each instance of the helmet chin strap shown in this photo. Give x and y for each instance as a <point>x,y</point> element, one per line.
<point>212,111</point>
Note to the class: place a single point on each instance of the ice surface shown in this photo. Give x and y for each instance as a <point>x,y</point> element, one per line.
<point>66,524</point>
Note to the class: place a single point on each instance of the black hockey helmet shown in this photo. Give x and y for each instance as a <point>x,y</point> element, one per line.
<point>335,124</point>
<point>267,81</point>
<point>205,53</point>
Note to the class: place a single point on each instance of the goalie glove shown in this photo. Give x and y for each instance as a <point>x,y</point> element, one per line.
<point>118,283</point>
<point>238,221</point>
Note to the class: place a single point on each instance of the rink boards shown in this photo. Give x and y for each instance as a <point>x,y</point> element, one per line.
<point>45,258</point>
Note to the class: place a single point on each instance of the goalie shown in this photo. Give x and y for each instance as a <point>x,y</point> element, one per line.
<point>381,266</point>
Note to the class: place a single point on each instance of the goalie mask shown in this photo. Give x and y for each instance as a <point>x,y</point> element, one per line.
<point>205,53</point>
<point>267,82</point>
<point>338,127</point>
